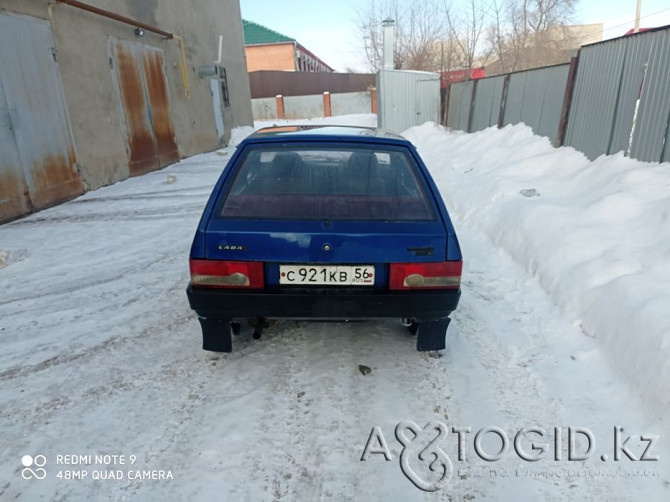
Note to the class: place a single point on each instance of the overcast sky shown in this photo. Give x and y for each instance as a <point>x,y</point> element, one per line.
<point>329,28</point>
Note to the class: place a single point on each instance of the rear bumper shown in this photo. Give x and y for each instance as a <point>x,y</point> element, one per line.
<point>323,304</point>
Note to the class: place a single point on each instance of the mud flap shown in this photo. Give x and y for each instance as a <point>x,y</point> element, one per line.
<point>216,335</point>
<point>432,334</point>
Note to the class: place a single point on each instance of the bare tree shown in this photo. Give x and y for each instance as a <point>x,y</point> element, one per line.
<point>545,14</point>
<point>372,33</point>
<point>465,30</point>
<point>496,36</point>
<point>451,56</point>
<point>508,34</point>
<point>431,35</point>
<point>419,27</point>
<point>530,33</point>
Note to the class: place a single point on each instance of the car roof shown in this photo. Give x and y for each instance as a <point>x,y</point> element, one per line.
<point>311,132</point>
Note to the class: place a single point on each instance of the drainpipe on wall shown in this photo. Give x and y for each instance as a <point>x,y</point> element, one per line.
<point>296,57</point>
<point>218,60</point>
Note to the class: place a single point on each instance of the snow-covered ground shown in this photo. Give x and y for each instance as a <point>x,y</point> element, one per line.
<point>561,324</point>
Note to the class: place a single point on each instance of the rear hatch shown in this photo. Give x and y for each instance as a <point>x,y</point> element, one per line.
<point>327,211</point>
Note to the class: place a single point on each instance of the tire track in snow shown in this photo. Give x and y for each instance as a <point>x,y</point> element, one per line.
<point>109,343</point>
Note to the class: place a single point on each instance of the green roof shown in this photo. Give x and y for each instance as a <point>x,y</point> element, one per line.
<point>256,34</point>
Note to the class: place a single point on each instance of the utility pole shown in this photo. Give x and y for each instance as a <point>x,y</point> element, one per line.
<point>637,16</point>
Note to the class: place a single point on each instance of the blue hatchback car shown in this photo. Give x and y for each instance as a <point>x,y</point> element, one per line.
<point>324,223</point>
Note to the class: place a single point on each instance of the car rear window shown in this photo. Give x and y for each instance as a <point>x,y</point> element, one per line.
<point>327,183</point>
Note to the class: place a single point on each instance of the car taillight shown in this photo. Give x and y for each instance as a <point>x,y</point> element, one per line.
<point>226,274</point>
<point>442,275</point>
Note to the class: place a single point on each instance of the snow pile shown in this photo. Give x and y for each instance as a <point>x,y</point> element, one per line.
<point>238,134</point>
<point>9,256</point>
<point>595,234</point>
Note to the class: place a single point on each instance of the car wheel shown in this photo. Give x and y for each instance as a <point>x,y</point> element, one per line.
<point>432,334</point>
<point>216,335</point>
<point>236,327</point>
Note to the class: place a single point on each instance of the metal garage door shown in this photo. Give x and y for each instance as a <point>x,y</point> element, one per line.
<point>143,96</point>
<point>37,158</point>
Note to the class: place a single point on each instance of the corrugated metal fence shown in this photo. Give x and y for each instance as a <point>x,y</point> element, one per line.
<point>534,97</point>
<point>460,102</point>
<point>486,111</point>
<point>619,99</point>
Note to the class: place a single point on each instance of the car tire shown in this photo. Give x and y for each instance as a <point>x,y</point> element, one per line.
<point>216,335</point>
<point>432,334</point>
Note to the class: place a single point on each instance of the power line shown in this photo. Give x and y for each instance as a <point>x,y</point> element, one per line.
<point>588,35</point>
<point>490,12</point>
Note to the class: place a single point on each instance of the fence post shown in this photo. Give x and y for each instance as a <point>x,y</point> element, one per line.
<point>472,105</point>
<point>280,106</point>
<point>373,100</point>
<point>567,101</point>
<point>326,104</point>
<point>445,108</point>
<point>503,102</point>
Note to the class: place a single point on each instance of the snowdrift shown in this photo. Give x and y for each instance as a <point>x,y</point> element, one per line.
<point>595,234</point>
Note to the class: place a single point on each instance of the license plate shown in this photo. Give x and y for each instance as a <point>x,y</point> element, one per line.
<point>327,275</point>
